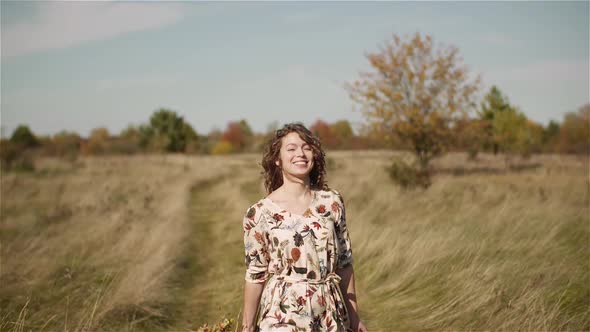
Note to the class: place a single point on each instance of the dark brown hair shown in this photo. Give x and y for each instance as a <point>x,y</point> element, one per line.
<point>273,176</point>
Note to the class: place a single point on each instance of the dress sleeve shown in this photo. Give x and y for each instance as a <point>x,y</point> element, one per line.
<point>344,249</point>
<point>255,245</point>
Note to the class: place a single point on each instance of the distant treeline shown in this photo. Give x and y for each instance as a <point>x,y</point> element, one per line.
<point>415,98</point>
<point>497,128</point>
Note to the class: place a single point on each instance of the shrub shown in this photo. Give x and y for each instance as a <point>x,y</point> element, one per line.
<point>408,176</point>
<point>66,145</point>
<point>125,146</point>
<point>222,147</point>
<point>15,156</point>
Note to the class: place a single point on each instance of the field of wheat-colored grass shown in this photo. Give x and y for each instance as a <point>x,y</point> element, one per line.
<point>154,243</point>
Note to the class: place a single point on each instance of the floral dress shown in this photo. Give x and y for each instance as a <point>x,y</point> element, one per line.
<point>296,256</point>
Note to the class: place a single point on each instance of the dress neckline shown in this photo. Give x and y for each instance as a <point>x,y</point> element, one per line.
<point>309,207</point>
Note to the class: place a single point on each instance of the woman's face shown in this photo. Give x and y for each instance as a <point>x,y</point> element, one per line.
<point>295,156</point>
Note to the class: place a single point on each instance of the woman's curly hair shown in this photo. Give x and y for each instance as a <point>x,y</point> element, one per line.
<point>273,177</point>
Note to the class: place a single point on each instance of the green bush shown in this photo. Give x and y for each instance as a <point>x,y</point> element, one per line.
<point>22,135</point>
<point>14,156</point>
<point>408,176</point>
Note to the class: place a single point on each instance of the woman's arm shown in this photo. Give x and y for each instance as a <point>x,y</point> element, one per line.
<point>256,259</point>
<point>252,294</point>
<point>344,267</point>
<point>349,292</point>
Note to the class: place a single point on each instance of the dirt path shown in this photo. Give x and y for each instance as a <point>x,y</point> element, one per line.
<point>209,281</point>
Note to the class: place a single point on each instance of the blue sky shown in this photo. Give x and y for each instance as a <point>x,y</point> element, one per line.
<point>81,65</point>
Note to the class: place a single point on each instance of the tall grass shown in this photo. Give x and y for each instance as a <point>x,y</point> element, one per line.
<point>151,243</point>
<point>106,263</point>
<point>494,248</point>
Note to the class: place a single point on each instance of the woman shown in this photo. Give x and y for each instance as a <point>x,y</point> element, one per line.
<point>299,274</point>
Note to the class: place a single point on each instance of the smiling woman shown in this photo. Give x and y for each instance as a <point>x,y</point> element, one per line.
<point>298,252</point>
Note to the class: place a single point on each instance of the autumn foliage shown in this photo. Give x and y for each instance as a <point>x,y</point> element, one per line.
<point>322,130</point>
<point>415,93</point>
<point>415,98</point>
<point>574,134</point>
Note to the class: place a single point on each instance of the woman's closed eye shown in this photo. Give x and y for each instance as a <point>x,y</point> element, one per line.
<point>306,148</point>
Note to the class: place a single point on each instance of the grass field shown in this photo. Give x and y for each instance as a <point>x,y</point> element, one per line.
<point>154,243</point>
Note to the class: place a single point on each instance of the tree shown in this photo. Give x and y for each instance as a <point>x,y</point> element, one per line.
<point>131,136</point>
<point>343,133</point>
<point>98,141</point>
<point>469,135</point>
<point>416,94</point>
<point>505,128</point>
<point>238,134</point>
<point>127,142</point>
<point>515,134</point>
<point>166,131</point>
<point>550,135</point>
<point>535,133</point>
<point>375,136</point>
<point>66,144</point>
<point>574,134</point>
<point>192,141</point>
<point>130,133</point>
<point>209,141</point>
<point>493,103</point>
<point>146,133</point>
<point>246,130</point>
<point>23,136</point>
<point>322,130</point>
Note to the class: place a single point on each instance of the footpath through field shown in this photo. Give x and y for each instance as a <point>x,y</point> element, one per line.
<point>208,285</point>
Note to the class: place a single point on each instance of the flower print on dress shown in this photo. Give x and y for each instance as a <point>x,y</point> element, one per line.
<point>298,239</point>
<point>297,257</point>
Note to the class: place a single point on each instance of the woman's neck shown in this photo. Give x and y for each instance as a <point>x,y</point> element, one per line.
<point>296,188</point>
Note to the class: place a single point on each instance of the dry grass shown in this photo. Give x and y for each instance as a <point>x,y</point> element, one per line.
<point>154,242</point>
<point>91,245</point>
<point>491,250</point>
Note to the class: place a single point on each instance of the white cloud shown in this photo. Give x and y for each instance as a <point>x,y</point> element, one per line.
<point>63,24</point>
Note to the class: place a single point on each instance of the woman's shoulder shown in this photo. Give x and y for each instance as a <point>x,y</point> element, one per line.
<point>258,208</point>
<point>330,194</point>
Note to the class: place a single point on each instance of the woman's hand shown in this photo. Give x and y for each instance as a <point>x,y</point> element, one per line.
<point>357,326</point>
<point>361,327</point>
<point>246,328</point>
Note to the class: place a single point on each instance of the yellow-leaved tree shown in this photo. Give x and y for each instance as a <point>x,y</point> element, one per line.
<point>416,93</point>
